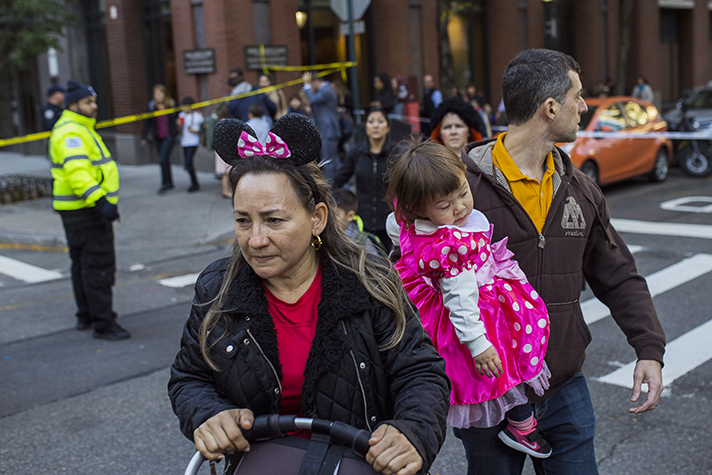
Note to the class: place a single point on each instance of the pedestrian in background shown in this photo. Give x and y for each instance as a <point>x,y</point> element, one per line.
<point>346,209</point>
<point>368,162</point>
<point>54,107</point>
<point>240,108</point>
<point>455,123</point>
<point>276,96</point>
<point>324,106</point>
<point>258,122</point>
<point>432,98</point>
<point>559,228</point>
<point>85,193</point>
<point>472,94</point>
<point>189,123</point>
<point>400,94</point>
<point>295,105</point>
<point>383,97</point>
<point>163,130</point>
<point>642,89</point>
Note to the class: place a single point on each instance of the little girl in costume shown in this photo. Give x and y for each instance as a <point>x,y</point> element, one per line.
<point>485,319</point>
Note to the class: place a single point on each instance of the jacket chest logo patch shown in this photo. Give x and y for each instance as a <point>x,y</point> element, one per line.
<point>573,216</point>
<point>73,142</point>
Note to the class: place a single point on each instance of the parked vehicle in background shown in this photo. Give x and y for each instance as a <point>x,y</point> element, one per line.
<point>618,156</point>
<point>699,107</point>
<point>693,156</point>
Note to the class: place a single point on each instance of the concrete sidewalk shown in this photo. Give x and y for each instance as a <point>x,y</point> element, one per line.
<point>148,220</point>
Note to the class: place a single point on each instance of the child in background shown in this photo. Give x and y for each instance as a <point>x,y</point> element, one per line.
<point>259,123</point>
<point>475,302</point>
<point>346,207</point>
<point>296,105</point>
<point>189,122</point>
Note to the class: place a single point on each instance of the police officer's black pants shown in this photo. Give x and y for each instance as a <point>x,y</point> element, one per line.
<point>93,271</point>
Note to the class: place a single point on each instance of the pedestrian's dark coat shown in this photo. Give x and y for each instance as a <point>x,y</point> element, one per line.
<point>347,378</point>
<point>369,169</point>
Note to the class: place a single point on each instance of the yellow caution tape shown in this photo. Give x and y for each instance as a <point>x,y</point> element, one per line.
<point>317,67</point>
<point>325,70</point>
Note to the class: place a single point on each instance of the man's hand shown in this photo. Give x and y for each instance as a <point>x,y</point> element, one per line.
<point>109,210</point>
<point>651,373</point>
<point>488,363</point>
<point>392,453</point>
<point>307,77</point>
<point>221,434</point>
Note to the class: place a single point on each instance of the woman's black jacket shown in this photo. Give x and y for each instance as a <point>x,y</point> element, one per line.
<point>346,377</point>
<point>371,190</point>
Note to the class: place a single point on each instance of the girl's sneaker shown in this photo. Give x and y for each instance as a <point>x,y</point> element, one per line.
<point>532,443</point>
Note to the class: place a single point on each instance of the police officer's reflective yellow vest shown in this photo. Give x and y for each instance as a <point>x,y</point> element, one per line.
<point>82,166</point>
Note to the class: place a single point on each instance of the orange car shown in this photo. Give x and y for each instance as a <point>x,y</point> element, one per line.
<point>617,157</point>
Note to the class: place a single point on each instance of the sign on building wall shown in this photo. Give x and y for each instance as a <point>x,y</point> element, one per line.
<point>199,61</point>
<point>274,56</point>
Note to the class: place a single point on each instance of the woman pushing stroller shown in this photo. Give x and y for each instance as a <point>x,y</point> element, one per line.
<point>300,320</point>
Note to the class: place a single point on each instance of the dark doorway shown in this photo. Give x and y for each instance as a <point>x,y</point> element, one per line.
<point>98,54</point>
<point>158,40</point>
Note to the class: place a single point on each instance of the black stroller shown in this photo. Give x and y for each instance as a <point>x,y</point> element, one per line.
<point>334,448</point>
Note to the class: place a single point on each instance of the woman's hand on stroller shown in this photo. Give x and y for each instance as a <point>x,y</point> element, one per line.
<point>222,434</point>
<point>392,453</point>
<point>488,363</point>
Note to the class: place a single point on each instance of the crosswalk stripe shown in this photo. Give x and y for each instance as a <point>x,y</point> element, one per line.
<point>682,355</point>
<point>663,229</point>
<point>180,281</point>
<point>658,283</point>
<point>26,272</point>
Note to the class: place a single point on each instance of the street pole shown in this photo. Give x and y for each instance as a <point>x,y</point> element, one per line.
<point>352,70</point>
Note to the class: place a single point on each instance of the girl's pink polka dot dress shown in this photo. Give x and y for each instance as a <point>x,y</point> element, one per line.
<point>514,316</point>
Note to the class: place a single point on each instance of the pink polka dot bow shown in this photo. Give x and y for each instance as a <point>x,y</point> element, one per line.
<point>249,146</point>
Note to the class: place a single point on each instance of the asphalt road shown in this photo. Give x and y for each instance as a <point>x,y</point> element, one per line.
<point>69,403</point>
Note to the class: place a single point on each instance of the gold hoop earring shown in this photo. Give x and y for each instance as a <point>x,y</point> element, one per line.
<point>316,242</point>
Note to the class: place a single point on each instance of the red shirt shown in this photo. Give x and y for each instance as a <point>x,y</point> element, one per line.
<point>296,325</point>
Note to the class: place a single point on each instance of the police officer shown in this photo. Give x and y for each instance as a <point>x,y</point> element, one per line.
<point>85,193</point>
<point>53,109</point>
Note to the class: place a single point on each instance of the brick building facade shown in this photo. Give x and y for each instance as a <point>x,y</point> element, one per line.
<point>670,44</point>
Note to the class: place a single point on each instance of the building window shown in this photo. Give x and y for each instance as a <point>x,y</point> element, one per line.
<point>669,25</point>
<point>98,54</point>
<point>158,40</point>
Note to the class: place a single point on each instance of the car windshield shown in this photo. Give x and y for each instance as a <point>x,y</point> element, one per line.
<point>701,100</point>
<point>587,116</point>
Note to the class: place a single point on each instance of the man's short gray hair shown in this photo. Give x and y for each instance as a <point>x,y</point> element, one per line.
<point>531,78</point>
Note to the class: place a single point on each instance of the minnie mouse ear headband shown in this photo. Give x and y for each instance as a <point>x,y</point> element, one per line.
<point>293,137</point>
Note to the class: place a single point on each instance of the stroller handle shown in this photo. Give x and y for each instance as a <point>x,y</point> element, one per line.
<point>274,426</point>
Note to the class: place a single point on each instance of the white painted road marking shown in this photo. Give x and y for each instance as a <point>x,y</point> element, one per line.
<point>179,281</point>
<point>701,231</point>
<point>26,272</point>
<point>633,248</point>
<point>682,355</point>
<point>658,283</point>
<point>681,204</point>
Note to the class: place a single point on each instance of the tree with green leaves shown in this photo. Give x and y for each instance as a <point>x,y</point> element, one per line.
<point>30,27</point>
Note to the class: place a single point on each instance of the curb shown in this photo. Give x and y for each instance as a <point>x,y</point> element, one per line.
<point>42,240</point>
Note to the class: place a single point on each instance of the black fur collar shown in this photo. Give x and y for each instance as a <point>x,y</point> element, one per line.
<point>342,297</point>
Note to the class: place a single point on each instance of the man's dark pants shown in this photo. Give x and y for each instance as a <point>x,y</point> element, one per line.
<point>567,422</point>
<point>93,271</point>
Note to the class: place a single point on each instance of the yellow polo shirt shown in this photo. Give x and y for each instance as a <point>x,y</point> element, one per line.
<point>534,197</point>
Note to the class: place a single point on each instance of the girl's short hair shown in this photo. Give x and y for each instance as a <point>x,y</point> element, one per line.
<point>422,171</point>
